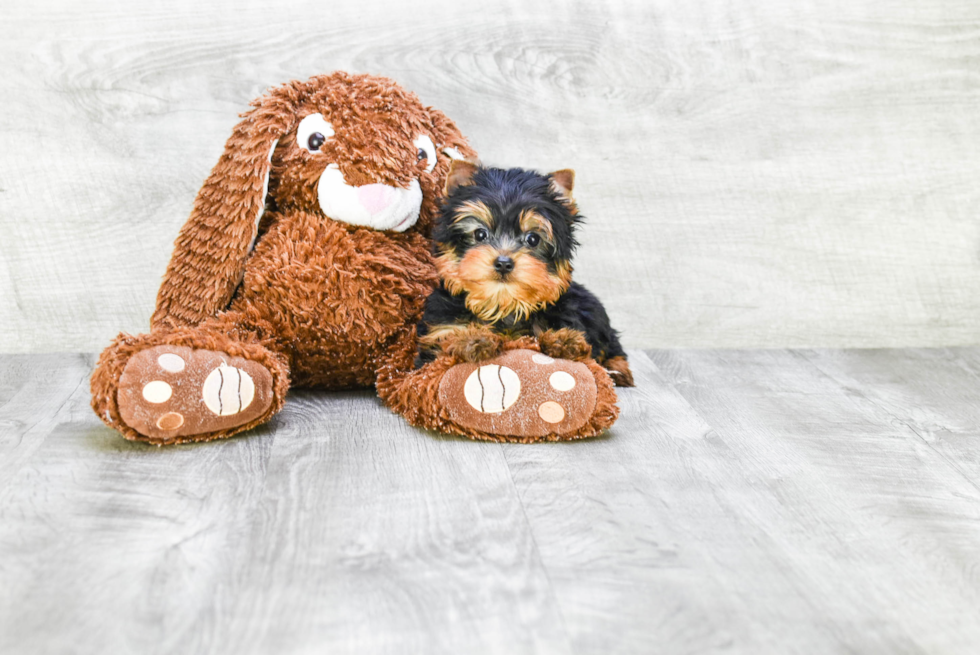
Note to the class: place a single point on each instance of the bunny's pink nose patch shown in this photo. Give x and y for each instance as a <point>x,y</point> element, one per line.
<point>375,197</point>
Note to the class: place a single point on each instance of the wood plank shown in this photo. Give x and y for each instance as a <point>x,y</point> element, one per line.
<point>37,393</point>
<point>628,523</point>
<point>875,529</point>
<point>933,392</point>
<point>746,502</point>
<point>335,524</point>
<point>755,173</point>
<point>376,537</point>
<point>109,546</point>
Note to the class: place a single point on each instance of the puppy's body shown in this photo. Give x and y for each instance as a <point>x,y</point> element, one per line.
<point>577,309</point>
<point>503,245</point>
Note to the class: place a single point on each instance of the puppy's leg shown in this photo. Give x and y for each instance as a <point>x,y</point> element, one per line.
<point>565,343</point>
<point>619,370</point>
<point>586,313</point>
<point>468,343</point>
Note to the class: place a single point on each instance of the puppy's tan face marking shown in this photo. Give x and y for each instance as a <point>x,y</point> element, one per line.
<point>531,221</point>
<point>473,211</point>
<point>526,289</point>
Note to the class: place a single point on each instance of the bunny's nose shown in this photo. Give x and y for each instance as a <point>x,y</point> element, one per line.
<point>377,206</point>
<point>375,197</point>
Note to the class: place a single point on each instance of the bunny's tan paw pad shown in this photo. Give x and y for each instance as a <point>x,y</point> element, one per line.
<point>167,392</point>
<point>520,394</point>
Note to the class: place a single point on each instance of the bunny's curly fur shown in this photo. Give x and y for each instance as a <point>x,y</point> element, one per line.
<point>317,301</point>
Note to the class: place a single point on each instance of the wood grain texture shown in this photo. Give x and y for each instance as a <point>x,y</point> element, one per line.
<point>755,173</point>
<point>838,500</point>
<point>334,527</point>
<point>811,501</point>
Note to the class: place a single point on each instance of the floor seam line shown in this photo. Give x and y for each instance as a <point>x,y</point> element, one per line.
<point>904,421</point>
<point>537,549</point>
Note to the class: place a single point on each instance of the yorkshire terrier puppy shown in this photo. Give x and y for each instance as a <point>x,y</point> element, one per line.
<point>503,244</point>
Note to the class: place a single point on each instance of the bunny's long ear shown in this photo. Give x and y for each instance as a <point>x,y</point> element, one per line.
<point>210,252</point>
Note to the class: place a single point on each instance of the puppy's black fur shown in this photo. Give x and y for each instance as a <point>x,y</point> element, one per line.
<point>510,234</point>
<point>577,308</point>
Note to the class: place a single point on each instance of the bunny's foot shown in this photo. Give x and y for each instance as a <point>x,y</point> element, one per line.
<point>193,383</point>
<point>521,395</point>
<point>167,392</point>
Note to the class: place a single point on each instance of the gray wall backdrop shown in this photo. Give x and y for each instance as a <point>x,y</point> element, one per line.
<point>755,172</point>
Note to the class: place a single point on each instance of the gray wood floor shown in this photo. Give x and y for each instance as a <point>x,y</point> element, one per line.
<point>782,501</point>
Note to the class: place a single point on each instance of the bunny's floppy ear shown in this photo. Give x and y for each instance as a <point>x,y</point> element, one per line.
<point>210,252</point>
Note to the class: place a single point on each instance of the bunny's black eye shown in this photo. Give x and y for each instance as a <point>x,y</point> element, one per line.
<point>425,152</point>
<point>480,234</point>
<point>532,239</point>
<point>312,132</point>
<point>315,141</point>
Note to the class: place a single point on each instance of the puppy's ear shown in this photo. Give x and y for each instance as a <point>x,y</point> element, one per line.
<point>461,172</point>
<point>562,182</point>
<point>209,254</point>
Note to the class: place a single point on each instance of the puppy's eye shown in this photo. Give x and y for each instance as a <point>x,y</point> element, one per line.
<point>532,239</point>
<point>481,235</point>
<point>425,152</point>
<point>313,132</point>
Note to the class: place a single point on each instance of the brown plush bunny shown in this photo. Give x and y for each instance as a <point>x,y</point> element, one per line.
<point>305,261</point>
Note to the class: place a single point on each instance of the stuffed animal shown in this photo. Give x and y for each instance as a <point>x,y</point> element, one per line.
<point>306,261</point>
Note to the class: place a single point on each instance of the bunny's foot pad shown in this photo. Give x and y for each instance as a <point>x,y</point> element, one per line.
<point>174,391</point>
<point>521,393</point>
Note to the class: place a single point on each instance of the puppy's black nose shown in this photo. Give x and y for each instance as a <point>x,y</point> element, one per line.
<point>503,264</point>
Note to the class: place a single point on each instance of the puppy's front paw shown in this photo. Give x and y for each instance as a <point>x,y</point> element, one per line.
<point>619,371</point>
<point>474,345</point>
<point>565,343</point>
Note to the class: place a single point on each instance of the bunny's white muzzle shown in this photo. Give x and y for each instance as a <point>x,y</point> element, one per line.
<point>378,206</point>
